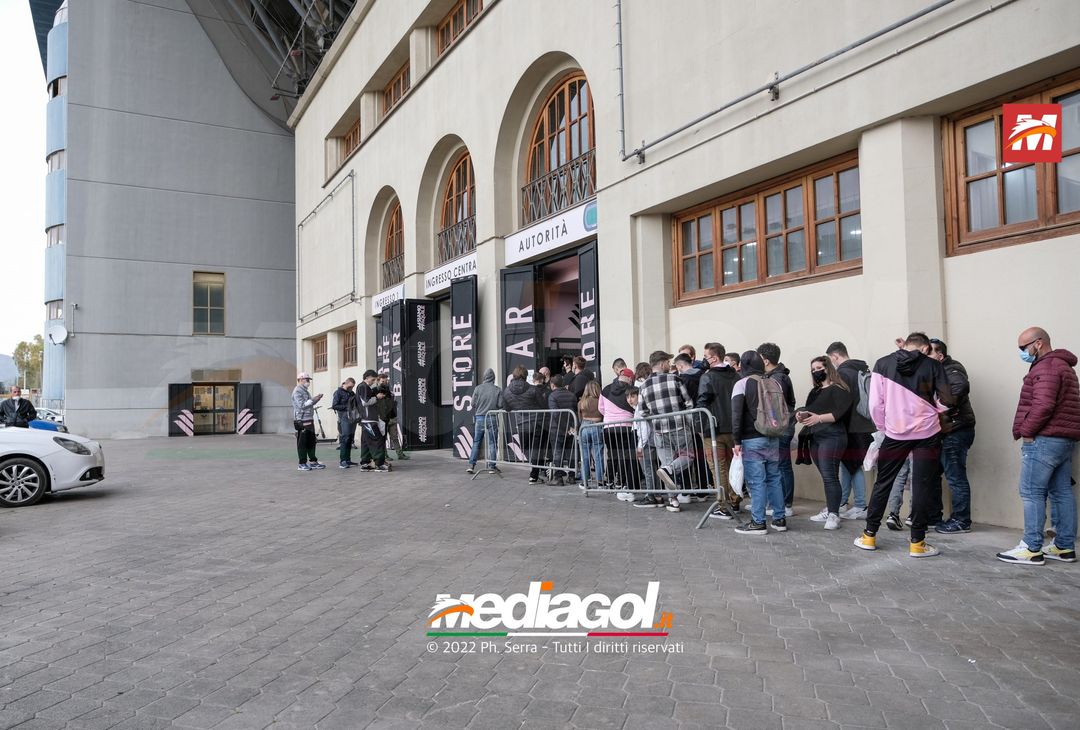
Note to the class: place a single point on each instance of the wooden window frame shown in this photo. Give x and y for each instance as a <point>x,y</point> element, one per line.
<point>318,354</point>
<point>757,195</point>
<point>349,355</point>
<point>562,88</point>
<point>451,208</point>
<point>394,244</point>
<point>1048,223</point>
<point>446,33</point>
<point>194,281</point>
<point>350,140</point>
<point>395,91</point>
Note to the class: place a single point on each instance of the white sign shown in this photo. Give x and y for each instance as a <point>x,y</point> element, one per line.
<point>439,279</point>
<point>386,298</point>
<point>553,233</point>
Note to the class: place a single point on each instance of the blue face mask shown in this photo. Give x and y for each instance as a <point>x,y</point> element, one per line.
<point>1027,356</point>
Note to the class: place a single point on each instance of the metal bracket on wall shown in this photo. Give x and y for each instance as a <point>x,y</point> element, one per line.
<point>71,329</point>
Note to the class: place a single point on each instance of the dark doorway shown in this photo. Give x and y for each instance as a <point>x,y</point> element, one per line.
<point>214,408</point>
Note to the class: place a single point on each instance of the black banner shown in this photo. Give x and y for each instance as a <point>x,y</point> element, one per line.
<point>393,333</point>
<point>416,387</point>
<point>382,344</point>
<point>589,304</point>
<point>518,319</point>
<point>464,351</point>
<point>181,407</point>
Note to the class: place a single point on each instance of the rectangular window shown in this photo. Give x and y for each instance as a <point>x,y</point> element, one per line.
<point>351,140</point>
<point>54,236</point>
<point>453,25</point>
<point>208,311</point>
<point>348,342</point>
<point>319,350</point>
<point>991,203</point>
<point>58,87</point>
<point>396,89</point>
<point>804,224</point>
<point>57,160</point>
<point>54,309</point>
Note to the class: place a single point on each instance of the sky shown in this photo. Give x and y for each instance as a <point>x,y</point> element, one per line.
<point>22,181</point>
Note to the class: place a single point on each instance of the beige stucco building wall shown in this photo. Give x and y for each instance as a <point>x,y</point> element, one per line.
<point>681,60</point>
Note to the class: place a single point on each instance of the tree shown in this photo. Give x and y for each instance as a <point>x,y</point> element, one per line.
<point>28,358</point>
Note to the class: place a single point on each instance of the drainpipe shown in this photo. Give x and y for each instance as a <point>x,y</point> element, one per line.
<point>773,87</point>
<point>622,102</point>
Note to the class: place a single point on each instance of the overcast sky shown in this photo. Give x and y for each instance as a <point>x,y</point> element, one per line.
<point>22,181</point>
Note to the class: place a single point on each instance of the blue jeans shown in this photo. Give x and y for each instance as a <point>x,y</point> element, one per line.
<point>761,471</point>
<point>954,451</point>
<point>853,483</point>
<point>591,445</point>
<point>1046,472</point>
<point>787,474</point>
<point>483,428</point>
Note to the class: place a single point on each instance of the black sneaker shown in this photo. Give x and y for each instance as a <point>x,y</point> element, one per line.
<point>532,480</point>
<point>470,470</point>
<point>382,469</point>
<point>343,465</point>
<point>316,465</point>
<point>779,525</point>
<point>352,463</point>
<point>752,528</point>
<point>893,522</point>
<point>951,526</point>
<point>722,512</point>
<point>673,505</point>
<point>647,501</point>
<point>367,467</point>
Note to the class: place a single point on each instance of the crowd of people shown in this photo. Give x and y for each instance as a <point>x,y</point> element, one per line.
<point>646,436</point>
<point>369,407</point>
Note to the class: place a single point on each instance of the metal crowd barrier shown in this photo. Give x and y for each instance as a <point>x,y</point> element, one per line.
<point>685,441</point>
<point>544,441</point>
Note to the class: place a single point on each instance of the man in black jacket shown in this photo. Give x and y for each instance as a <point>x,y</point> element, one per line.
<point>770,355</point>
<point>16,410</point>
<point>581,376</point>
<point>561,398</point>
<point>519,395</point>
<point>372,436</point>
<point>958,429</point>
<point>714,393</point>
<point>860,432</point>
<point>344,401</point>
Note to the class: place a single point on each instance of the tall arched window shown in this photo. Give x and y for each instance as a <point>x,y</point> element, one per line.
<point>393,268</point>
<point>562,169</point>
<point>457,226</point>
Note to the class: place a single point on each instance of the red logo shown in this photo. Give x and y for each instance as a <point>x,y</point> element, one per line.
<point>1031,133</point>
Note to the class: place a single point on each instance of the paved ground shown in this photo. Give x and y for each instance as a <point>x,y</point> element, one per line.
<point>207,584</point>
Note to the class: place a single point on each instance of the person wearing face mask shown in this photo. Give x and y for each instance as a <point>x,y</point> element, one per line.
<point>827,406</point>
<point>958,435</point>
<point>1048,420</point>
<point>16,410</point>
<point>907,391</point>
<point>304,423</point>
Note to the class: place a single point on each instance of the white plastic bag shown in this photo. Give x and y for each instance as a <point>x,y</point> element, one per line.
<point>735,476</point>
<point>870,462</point>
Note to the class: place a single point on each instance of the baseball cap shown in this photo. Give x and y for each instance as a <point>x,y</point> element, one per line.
<point>627,373</point>
<point>659,356</point>
<point>303,375</point>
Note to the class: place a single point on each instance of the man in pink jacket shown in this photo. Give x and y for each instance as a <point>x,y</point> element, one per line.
<point>1048,420</point>
<point>907,392</point>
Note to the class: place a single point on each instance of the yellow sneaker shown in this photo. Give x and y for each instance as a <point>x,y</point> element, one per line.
<point>866,542</point>
<point>1053,552</point>
<point>922,550</point>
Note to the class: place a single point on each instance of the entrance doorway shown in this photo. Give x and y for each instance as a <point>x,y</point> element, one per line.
<point>214,408</point>
<point>551,309</point>
<point>558,312</point>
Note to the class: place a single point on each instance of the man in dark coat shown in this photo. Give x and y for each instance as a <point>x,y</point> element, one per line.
<point>1048,420</point>
<point>16,410</point>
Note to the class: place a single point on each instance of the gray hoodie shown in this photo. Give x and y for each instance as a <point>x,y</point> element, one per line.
<point>487,396</point>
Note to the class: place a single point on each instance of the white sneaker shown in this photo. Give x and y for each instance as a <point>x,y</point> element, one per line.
<point>832,521</point>
<point>624,496</point>
<point>683,499</point>
<point>854,514</point>
<point>821,516</point>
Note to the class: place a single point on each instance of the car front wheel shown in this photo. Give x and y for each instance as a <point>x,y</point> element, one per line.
<point>22,482</point>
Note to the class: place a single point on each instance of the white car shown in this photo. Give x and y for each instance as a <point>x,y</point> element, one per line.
<point>34,462</point>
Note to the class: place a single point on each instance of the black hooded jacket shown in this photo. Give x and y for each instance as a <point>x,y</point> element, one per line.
<point>714,393</point>
<point>849,372</point>
<point>962,415</point>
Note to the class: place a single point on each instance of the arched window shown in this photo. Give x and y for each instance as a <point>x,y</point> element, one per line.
<point>562,169</point>
<point>457,226</point>
<point>393,268</point>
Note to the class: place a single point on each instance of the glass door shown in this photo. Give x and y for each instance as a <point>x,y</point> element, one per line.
<point>214,407</point>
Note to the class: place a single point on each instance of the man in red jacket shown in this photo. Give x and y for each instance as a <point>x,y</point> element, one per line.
<point>1048,420</point>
